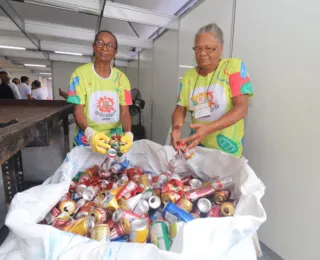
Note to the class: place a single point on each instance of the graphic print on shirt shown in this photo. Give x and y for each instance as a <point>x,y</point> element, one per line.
<point>215,97</point>
<point>72,94</point>
<point>104,107</point>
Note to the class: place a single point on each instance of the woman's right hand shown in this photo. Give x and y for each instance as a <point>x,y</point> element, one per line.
<point>175,137</point>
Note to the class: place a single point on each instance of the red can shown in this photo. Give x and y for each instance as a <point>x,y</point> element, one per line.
<point>134,173</point>
<point>66,196</point>
<point>51,216</point>
<point>186,180</point>
<point>129,187</point>
<point>198,193</point>
<point>215,211</point>
<point>93,171</point>
<point>174,185</point>
<point>73,186</point>
<point>84,211</point>
<point>85,179</point>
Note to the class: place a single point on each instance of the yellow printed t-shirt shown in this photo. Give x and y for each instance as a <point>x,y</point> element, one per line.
<point>230,79</point>
<point>102,98</point>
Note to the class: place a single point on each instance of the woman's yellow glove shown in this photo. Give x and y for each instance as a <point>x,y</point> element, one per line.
<point>97,140</point>
<point>127,140</point>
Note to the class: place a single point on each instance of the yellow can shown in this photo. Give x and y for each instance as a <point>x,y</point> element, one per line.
<point>82,226</point>
<point>185,204</point>
<point>144,181</point>
<point>101,232</point>
<point>139,231</point>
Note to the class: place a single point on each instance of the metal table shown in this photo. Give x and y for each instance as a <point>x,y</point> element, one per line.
<point>34,118</point>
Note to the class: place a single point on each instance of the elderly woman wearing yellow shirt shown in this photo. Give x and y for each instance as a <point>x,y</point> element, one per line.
<point>216,93</point>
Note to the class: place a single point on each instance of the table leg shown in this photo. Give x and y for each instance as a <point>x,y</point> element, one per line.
<point>66,135</point>
<point>12,174</point>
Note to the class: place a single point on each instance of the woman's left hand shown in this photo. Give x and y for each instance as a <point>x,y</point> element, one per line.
<point>201,131</point>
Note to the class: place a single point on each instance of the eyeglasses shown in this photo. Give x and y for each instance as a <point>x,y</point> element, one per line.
<point>109,45</point>
<point>206,49</point>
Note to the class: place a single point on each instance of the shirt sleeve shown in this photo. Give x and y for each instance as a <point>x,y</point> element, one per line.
<point>77,89</point>
<point>15,91</point>
<point>182,98</point>
<point>27,90</point>
<point>125,95</point>
<point>239,79</point>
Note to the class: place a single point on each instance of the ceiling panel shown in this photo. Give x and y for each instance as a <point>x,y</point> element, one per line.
<point>55,15</point>
<point>160,6</point>
<point>117,27</point>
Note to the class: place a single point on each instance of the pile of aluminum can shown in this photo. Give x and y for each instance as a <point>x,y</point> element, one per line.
<point>119,202</point>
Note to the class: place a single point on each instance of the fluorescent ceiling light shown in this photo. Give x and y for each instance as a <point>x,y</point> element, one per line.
<point>11,47</point>
<point>180,77</point>
<point>35,65</point>
<point>68,53</point>
<point>186,66</point>
<point>45,73</point>
<point>50,78</point>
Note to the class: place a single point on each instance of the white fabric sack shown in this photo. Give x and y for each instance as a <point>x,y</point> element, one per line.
<point>228,238</point>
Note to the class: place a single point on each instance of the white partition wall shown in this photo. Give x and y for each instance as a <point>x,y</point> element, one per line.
<point>165,84</point>
<point>145,87</point>
<point>279,42</point>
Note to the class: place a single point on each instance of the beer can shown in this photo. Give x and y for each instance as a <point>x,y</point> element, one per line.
<point>185,204</point>
<point>121,228</point>
<point>61,220</point>
<point>123,204</point>
<point>142,207</point>
<point>144,181</point>
<point>120,239</point>
<point>82,226</point>
<point>80,189</point>
<point>68,206</point>
<point>172,213</point>
<point>147,194</point>
<point>51,216</point>
<point>198,193</point>
<point>85,179</point>
<point>154,202</point>
<point>222,183</point>
<point>204,206</point>
<point>109,202</point>
<point>195,183</point>
<point>75,196</point>
<point>99,215</point>
<point>157,191</point>
<point>186,180</point>
<point>92,171</point>
<point>170,196</point>
<point>155,214</point>
<point>221,196</point>
<point>134,173</point>
<point>90,193</point>
<point>101,232</point>
<point>77,176</point>
<point>159,235</point>
<point>121,213</point>
<point>84,210</point>
<point>228,208</point>
<point>174,228</point>
<point>139,231</point>
<point>130,186</point>
<point>215,211</point>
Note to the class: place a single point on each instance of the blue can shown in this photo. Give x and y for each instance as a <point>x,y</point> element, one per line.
<point>172,213</point>
<point>120,166</point>
<point>120,239</point>
<point>76,197</point>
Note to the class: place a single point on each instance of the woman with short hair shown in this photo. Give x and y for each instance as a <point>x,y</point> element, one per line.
<point>216,92</point>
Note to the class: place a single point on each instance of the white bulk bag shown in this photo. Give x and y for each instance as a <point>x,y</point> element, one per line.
<point>210,238</point>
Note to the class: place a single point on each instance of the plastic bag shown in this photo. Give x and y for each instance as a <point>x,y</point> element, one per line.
<point>211,238</point>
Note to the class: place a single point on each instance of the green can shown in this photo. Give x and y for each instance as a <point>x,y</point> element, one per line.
<point>159,235</point>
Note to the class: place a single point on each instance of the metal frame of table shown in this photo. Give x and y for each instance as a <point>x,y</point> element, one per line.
<point>18,135</point>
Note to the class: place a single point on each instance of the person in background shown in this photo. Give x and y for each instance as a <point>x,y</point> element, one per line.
<point>24,88</point>
<point>102,97</point>
<point>63,94</point>
<point>216,92</point>
<point>5,90</point>
<point>37,91</point>
<point>13,86</point>
<point>16,81</point>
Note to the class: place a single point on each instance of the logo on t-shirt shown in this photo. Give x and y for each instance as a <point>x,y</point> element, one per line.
<point>104,107</point>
